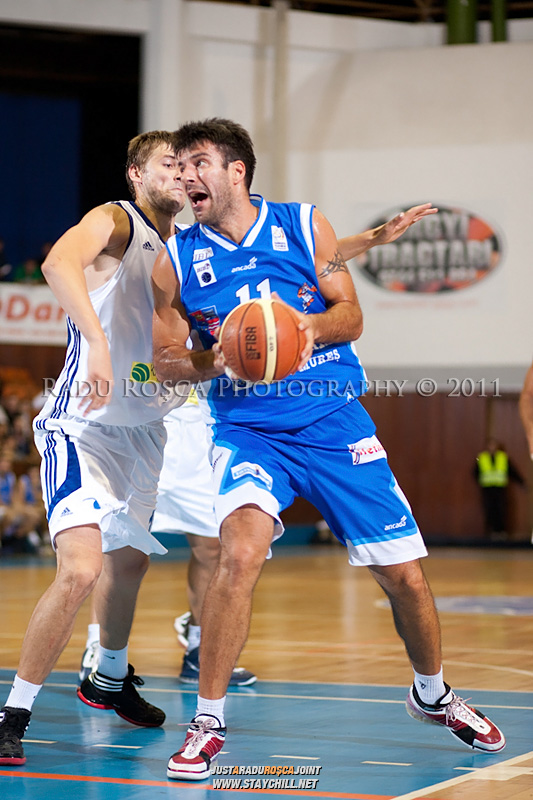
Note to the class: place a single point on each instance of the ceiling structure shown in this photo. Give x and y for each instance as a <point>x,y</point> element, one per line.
<point>399,10</point>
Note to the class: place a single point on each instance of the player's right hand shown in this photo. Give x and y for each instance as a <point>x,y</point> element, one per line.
<point>98,386</point>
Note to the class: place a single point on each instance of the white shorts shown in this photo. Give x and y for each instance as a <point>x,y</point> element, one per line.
<point>101,474</point>
<point>185,498</point>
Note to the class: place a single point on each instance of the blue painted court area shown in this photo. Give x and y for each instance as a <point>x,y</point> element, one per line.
<point>366,746</point>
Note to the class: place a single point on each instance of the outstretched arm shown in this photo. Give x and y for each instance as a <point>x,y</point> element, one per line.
<point>343,319</point>
<point>105,228</point>
<point>359,243</point>
<point>526,408</point>
<point>173,361</point>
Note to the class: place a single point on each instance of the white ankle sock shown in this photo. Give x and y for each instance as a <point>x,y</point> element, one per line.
<point>194,637</point>
<point>213,707</point>
<point>93,634</point>
<point>430,688</point>
<point>113,663</point>
<point>23,694</point>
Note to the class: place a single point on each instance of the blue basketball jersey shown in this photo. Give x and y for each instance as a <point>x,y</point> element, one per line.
<point>276,255</point>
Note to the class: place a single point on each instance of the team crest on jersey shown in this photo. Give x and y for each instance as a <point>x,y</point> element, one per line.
<point>305,293</point>
<point>142,373</point>
<point>204,273</point>
<point>207,319</point>
<point>202,255</point>
<point>279,240</point>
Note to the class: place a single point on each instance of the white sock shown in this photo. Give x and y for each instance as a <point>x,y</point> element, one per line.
<point>214,708</point>
<point>23,694</point>
<point>93,634</point>
<point>113,663</point>
<point>194,637</point>
<point>430,688</point>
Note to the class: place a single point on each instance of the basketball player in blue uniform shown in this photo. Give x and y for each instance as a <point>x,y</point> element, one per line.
<point>102,453</point>
<point>307,435</point>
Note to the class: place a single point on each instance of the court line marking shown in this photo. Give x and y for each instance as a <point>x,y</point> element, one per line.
<point>40,741</point>
<point>301,696</point>
<point>307,683</point>
<point>388,763</point>
<point>421,794</point>
<point>119,746</point>
<point>306,758</point>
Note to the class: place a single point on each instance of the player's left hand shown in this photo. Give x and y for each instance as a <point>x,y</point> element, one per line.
<point>395,227</point>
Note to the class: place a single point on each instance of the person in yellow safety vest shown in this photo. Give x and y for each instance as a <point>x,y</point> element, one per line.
<point>493,472</point>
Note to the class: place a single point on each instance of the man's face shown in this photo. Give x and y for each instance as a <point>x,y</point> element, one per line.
<point>208,183</point>
<point>159,181</point>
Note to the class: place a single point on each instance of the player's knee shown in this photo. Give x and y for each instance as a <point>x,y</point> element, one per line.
<point>77,581</point>
<point>401,579</point>
<point>242,564</point>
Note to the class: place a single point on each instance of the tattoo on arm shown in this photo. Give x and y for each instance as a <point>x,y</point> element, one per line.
<point>337,264</point>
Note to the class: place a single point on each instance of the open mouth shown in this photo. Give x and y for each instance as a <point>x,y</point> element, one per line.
<point>197,197</point>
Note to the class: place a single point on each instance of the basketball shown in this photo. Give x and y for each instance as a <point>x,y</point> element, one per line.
<point>261,340</point>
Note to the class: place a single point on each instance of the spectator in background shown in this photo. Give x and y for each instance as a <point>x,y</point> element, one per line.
<point>28,272</point>
<point>6,269</point>
<point>493,471</point>
<point>22,437</point>
<point>10,404</point>
<point>18,516</point>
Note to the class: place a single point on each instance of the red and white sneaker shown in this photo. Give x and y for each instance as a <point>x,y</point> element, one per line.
<point>468,724</point>
<point>204,741</point>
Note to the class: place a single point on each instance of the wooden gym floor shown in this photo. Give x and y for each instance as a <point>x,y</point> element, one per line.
<point>332,682</point>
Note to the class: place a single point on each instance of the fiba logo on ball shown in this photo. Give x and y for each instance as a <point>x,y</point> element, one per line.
<point>261,340</point>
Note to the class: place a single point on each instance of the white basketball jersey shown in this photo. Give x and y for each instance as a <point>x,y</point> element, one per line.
<point>124,306</point>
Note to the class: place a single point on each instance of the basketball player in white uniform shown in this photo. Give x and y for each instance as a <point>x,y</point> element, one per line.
<point>101,436</point>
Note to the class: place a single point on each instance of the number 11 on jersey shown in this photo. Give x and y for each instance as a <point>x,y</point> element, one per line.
<point>263,288</point>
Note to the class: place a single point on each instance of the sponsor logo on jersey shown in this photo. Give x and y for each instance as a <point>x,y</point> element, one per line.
<point>395,525</point>
<point>247,468</point>
<point>279,240</point>
<point>202,255</point>
<point>204,273</point>
<point>366,450</point>
<point>252,264</point>
<point>305,294</point>
<point>148,246</point>
<point>142,373</point>
<point>65,512</point>
<point>207,319</point>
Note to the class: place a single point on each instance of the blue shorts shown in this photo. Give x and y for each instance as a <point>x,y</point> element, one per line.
<point>337,464</point>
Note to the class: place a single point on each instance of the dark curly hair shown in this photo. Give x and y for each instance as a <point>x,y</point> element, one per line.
<point>231,139</point>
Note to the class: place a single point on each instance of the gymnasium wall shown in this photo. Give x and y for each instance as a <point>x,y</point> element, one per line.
<point>374,116</point>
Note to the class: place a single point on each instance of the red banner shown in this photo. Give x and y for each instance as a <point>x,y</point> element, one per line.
<point>30,315</point>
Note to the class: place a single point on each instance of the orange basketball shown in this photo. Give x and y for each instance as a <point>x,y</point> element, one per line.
<point>261,340</point>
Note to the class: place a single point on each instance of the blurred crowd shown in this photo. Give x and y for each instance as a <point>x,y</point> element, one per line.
<point>23,527</point>
<point>28,271</point>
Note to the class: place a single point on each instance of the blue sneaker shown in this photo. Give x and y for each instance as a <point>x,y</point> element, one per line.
<point>190,671</point>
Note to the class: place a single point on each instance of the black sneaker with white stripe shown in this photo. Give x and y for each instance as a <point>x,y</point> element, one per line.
<point>100,691</point>
<point>13,726</point>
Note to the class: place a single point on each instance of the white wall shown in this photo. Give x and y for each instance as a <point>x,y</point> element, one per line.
<point>379,114</point>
